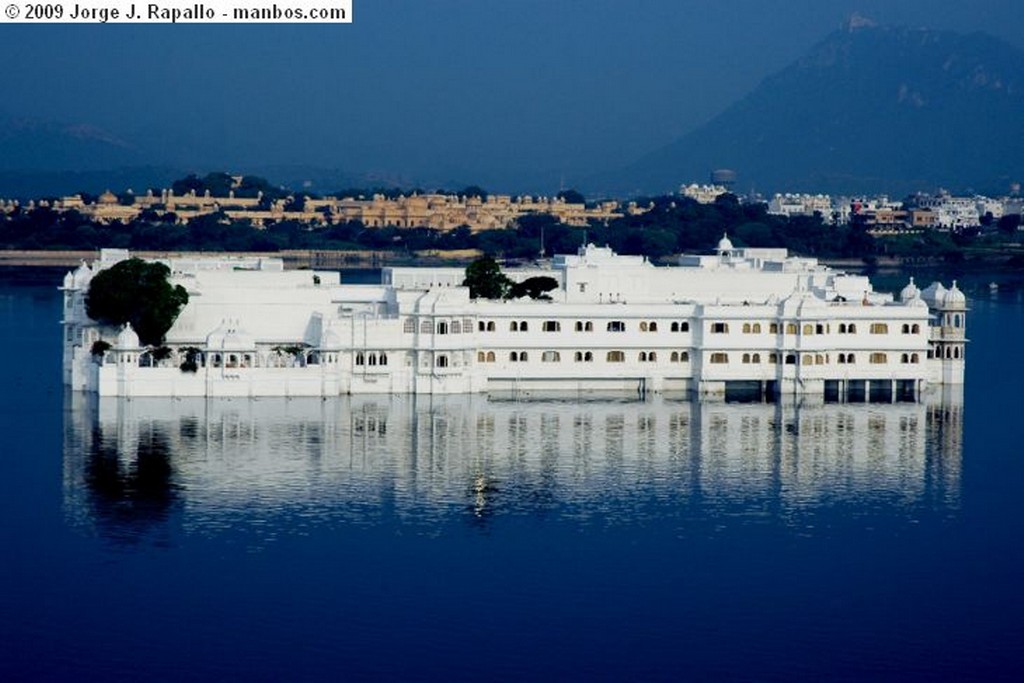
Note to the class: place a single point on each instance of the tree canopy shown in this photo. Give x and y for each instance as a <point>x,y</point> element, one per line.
<point>136,292</point>
<point>485,279</point>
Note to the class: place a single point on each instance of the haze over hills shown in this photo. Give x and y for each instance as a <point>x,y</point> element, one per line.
<point>868,109</point>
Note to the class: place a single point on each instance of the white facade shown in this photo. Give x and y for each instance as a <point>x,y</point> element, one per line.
<point>741,318</point>
<point>800,205</point>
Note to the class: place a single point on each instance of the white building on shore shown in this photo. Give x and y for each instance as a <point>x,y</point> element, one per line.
<point>752,320</point>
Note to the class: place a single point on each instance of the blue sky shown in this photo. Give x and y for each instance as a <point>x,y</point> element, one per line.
<point>511,95</point>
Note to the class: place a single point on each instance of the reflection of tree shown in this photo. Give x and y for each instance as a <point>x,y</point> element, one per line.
<point>130,496</point>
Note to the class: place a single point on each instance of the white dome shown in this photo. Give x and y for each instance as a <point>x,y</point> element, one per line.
<point>82,276</point>
<point>724,244</point>
<point>909,292</point>
<point>69,280</point>
<point>917,302</point>
<point>954,298</point>
<point>127,339</point>
<point>229,336</point>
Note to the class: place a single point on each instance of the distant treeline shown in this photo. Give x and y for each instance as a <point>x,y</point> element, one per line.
<point>672,225</point>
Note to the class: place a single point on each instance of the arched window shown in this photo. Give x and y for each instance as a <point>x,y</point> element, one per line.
<point>808,329</point>
<point>616,357</point>
<point>904,358</point>
<point>442,361</point>
<point>523,356</point>
<point>616,326</point>
<point>410,326</point>
<point>523,326</point>
<point>719,328</point>
<point>819,329</point>
<point>746,358</point>
<point>756,328</point>
<point>915,329</point>
<point>578,356</point>
<point>481,326</point>
<point>773,358</point>
<point>383,359</point>
<point>588,326</point>
<point>808,359</point>
<point>956,320</point>
<point>513,326</point>
<point>842,328</point>
<point>371,359</point>
<point>653,327</point>
<point>425,327</point>
<point>819,359</point>
<point>850,358</point>
<point>643,326</point>
<point>684,327</point>
<point>643,355</point>
<point>513,357</point>
<point>652,356</point>
<point>790,328</point>
<point>851,329</point>
<point>773,328</point>
<point>790,359</point>
<point>906,328</point>
<point>674,358</point>
<point>746,328</point>
<point>550,357</point>
<point>579,325</point>
<point>442,327</point>
<point>684,356</point>
<point>878,358</point>
<point>756,359</point>
<point>719,358</point>
<point>480,357</point>
<point>490,326</point>
<point>956,352</point>
<point>588,357</point>
<point>552,326</point>
<point>360,359</point>
<point>914,358</point>
<point>879,328</point>
<point>931,353</point>
<point>842,359</point>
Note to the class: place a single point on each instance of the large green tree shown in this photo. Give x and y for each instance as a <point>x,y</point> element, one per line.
<point>485,279</point>
<point>136,292</point>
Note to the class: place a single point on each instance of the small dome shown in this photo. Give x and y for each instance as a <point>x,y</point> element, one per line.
<point>107,197</point>
<point>910,292</point>
<point>127,339</point>
<point>724,244</point>
<point>82,276</point>
<point>69,280</point>
<point>917,302</point>
<point>954,298</point>
<point>229,336</point>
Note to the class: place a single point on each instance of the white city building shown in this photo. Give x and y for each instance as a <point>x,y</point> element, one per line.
<point>740,319</point>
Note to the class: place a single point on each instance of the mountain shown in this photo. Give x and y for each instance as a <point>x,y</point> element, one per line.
<point>869,109</point>
<point>28,144</point>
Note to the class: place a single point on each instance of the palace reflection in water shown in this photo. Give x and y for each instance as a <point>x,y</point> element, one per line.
<point>130,466</point>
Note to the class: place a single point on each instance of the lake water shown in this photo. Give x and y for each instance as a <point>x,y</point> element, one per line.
<point>460,539</point>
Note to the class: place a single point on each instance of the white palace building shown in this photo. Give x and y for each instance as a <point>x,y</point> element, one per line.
<point>752,321</point>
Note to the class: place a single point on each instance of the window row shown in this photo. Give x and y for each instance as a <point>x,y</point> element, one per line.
<point>556,326</point>
<point>371,358</point>
<point>583,357</point>
<point>876,358</point>
<point>440,327</point>
<point>951,352</point>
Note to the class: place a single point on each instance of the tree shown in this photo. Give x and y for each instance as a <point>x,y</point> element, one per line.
<point>485,279</point>
<point>533,287</point>
<point>571,197</point>
<point>136,292</point>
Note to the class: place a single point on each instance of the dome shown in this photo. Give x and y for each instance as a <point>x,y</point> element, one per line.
<point>909,292</point>
<point>69,280</point>
<point>954,298</point>
<point>229,336</point>
<point>107,197</point>
<point>917,302</point>
<point>724,244</point>
<point>82,276</point>
<point>127,339</point>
